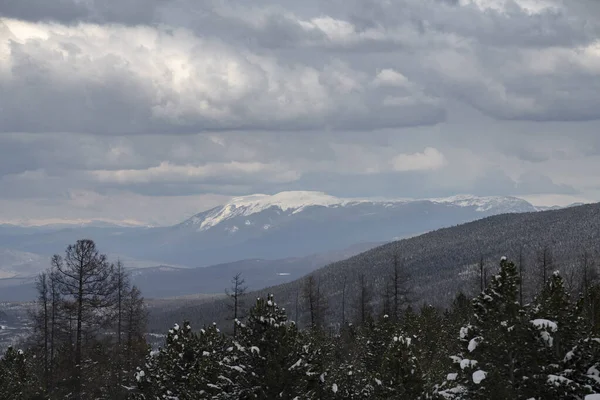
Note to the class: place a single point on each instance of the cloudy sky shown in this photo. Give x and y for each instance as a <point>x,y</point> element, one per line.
<point>153,110</point>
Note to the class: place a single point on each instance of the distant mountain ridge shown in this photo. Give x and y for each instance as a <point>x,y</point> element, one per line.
<point>294,202</point>
<point>269,227</point>
<point>440,262</point>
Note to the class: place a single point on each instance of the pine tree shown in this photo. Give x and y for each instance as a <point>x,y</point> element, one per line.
<point>489,365</point>
<point>273,344</point>
<point>430,337</point>
<point>554,304</point>
<point>191,366</point>
<point>312,371</point>
<point>16,378</point>
<point>581,368</point>
<point>400,376</point>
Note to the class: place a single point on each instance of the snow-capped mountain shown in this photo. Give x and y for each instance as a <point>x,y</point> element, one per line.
<point>288,204</point>
<point>294,224</point>
<point>287,224</point>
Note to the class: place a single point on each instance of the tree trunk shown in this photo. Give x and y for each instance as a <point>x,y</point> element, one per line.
<point>78,338</point>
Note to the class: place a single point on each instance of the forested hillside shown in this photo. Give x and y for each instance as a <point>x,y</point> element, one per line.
<point>391,323</point>
<point>493,348</point>
<point>438,264</point>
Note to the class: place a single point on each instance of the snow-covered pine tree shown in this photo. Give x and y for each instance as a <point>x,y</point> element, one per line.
<point>273,345</point>
<point>354,375</point>
<point>431,339</point>
<point>489,367</point>
<point>554,303</point>
<point>205,365</point>
<point>400,376</point>
<point>166,372</point>
<point>580,369</point>
<point>312,370</point>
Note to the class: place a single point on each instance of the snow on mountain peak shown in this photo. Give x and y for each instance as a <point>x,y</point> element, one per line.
<point>248,205</point>
<point>482,203</point>
<point>296,201</point>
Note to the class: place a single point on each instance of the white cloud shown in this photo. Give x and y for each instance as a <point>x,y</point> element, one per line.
<point>390,77</point>
<point>119,79</point>
<point>531,6</point>
<point>430,159</point>
<point>168,172</point>
<point>298,95</point>
<point>116,207</point>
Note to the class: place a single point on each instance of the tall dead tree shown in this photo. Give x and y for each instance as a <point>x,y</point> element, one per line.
<point>43,321</point>
<point>363,301</point>
<point>235,293</point>
<point>400,280</point>
<point>521,277</point>
<point>297,304</point>
<point>344,301</point>
<point>315,302</point>
<point>122,288</point>
<point>85,279</point>
<point>545,263</point>
<point>55,301</point>
<point>481,274</point>
<point>135,319</point>
<point>311,301</point>
<point>588,276</point>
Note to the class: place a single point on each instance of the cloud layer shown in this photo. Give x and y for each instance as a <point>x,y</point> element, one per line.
<point>185,101</point>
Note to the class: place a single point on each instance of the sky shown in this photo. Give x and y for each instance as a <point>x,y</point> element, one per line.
<point>150,111</point>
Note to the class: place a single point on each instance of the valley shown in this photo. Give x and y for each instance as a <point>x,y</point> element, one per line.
<point>273,239</point>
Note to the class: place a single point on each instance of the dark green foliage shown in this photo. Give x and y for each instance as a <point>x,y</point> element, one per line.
<point>17,380</point>
<point>194,366</point>
<point>441,263</point>
<point>88,327</point>
<point>493,347</point>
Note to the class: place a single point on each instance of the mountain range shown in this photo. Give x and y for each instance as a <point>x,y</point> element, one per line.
<point>439,263</point>
<point>285,226</point>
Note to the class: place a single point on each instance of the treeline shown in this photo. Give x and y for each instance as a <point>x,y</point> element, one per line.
<point>440,263</point>
<point>489,348</point>
<point>88,332</point>
<point>495,346</point>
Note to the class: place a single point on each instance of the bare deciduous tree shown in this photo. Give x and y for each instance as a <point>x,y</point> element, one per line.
<point>545,263</point>
<point>400,287</point>
<point>235,293</point>
<point>315,302</point>
<point>85,278</point>
<point>363,301</point>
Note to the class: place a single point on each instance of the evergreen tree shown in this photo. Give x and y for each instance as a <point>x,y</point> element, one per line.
<point>274,347</point>
<point>581,368</point>
<point>430,335</point>
<point>489,365</point>
<point>194,366</point>
<point>16,378</point>
<point>400,376</point>
<point>553,303</point>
